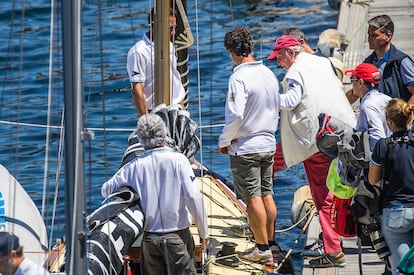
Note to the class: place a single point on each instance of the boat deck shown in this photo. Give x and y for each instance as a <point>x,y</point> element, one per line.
<point>224,213</point>
<point>352,23</point>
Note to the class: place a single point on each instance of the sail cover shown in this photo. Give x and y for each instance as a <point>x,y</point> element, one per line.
<point>113,228</point>
<point>180,133</point>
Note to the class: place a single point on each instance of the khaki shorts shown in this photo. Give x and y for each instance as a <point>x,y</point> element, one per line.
<point>252,174</point>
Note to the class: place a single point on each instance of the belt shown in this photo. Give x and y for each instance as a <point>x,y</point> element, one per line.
<point>169,232</point>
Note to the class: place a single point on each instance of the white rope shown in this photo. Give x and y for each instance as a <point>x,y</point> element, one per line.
<point>61,126</point>
<point>200,123</point>
<point>59,167</point>
<point>49,105</point>
<point>197,40</point>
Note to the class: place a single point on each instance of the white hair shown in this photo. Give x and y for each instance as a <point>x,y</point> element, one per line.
<point>297,49</point>
<point>151,131</point>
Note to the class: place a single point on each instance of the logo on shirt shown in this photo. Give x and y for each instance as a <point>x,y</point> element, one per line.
<point>192,178</point>
<point>135,73</point>
<point>231,97</point>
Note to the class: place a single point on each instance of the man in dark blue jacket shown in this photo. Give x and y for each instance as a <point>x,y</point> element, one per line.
<point>395,66</point>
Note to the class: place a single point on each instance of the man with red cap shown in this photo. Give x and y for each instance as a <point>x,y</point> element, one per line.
<point>310,87</point>
<point>365,79</point>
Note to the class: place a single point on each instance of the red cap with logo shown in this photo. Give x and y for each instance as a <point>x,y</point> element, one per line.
<point>366,72</point>
<point>285,41</point>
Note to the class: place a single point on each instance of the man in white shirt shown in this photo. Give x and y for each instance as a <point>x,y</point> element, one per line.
<point>170,200</point>
<point>140,67</point>
<point>251,118</point>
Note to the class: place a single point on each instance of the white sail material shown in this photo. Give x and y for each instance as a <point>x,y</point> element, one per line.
<point>20,216</point>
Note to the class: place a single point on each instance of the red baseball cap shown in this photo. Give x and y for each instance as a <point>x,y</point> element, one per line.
<point>285,41</point>
<point>366,72</point>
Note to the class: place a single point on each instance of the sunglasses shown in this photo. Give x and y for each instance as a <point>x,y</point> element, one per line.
<point>354,78</point>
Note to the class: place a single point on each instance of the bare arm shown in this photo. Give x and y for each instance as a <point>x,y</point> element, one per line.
<point>374,174</point>
<point>350,96</point>
<point>139,98</point>
<point>411,90</point>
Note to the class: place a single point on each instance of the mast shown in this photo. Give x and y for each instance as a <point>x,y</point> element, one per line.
<point>74,164</point>
<point>162,52</point>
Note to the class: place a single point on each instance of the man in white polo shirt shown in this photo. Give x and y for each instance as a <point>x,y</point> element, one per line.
<point>248,137</point>
<point>140,66</point>
<point>170,199</point>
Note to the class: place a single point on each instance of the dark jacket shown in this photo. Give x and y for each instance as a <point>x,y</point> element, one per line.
<point>391,76</point>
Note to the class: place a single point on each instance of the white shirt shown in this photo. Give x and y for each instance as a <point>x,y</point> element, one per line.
<point>372,116</point>
<point>252,110</point>
<point>140,67</point>
<point>27,267</point>
<point>165,183</point>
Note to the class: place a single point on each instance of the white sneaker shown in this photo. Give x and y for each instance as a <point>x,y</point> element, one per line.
<point>257,256</point>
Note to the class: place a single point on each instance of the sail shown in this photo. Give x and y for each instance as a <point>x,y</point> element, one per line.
<point>19,215</point>
<point>181,133</point>
<point>113,228</point>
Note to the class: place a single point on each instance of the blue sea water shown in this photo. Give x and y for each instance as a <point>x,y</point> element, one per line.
<point>110,28</point>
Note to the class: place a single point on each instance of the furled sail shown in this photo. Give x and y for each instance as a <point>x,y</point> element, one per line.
<point>180,131</point>
<point>113,228</point>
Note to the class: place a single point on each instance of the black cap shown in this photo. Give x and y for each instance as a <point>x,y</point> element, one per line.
<point>8,242</point>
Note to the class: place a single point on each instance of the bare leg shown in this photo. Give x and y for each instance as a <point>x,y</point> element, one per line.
<point>271,211</point>
<point>257,219</point>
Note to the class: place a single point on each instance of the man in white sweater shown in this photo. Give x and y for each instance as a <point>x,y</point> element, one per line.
<point>251,117</point>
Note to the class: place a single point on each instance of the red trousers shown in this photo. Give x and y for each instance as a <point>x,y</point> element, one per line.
<point>316,169</point>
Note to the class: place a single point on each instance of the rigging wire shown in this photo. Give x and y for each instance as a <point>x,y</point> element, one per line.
<point>200,121</point>
<point>20,77</point>
<point>7,64</point>
<point>102,92</point>
<point>51,91</point>
<point>49,106</point>
<point>57,181</point>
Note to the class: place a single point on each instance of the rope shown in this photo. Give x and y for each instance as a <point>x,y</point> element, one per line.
<point>246,266</point>
<point>49,107</point>
<point>59,167</point>
<point>308,213</point>
<point>200,122</point>
<point>61,126</point>
<point>89,128</point>
<point>305,227</point>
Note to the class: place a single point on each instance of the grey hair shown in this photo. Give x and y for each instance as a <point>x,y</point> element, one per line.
<point>297,49</point>
<point>383,23</point>
<point>295,32</point>
<point>151,131</point>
